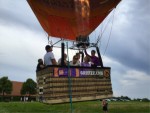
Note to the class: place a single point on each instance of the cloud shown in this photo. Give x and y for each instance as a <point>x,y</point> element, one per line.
<point>129,42</point>
<point>126,81</point>
<point>135,83</point>
<point>20,48</point>
<point>131,83</point>
<point>18,13</point>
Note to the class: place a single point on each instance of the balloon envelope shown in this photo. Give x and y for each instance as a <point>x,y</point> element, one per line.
<point>69,19</point>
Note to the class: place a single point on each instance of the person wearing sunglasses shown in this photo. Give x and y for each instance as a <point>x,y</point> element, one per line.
<point>74,61</point>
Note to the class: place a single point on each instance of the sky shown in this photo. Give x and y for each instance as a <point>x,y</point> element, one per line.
<point>126,50</point>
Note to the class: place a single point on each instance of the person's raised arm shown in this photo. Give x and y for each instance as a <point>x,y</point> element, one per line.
<point>86,53</point>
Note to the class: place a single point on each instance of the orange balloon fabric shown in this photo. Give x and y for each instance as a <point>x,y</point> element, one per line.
<point>69,19</point>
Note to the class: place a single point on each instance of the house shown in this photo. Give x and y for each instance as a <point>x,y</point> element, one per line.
<point>16,88</point>
<point>15,94</point>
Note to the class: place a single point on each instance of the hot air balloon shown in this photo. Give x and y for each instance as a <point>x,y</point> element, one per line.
<point>73,20</point>
<point>69,19</point>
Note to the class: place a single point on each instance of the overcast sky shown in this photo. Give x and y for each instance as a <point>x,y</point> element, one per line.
<point>22,42</point>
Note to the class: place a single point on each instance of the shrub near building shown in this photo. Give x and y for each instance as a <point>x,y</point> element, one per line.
<point>5,88</point>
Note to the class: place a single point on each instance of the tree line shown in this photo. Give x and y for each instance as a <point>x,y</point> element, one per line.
<point>28,87</point>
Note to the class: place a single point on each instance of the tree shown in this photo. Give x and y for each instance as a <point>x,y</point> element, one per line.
<point>125,98</point>
<point>5,86</point>
<point>28,87</point>
<point>145,100</point>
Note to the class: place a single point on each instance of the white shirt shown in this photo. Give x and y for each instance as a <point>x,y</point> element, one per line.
<point>48,57</point>
<point>76,64</point>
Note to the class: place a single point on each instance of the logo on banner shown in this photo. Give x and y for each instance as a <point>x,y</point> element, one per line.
<point>106,73</point>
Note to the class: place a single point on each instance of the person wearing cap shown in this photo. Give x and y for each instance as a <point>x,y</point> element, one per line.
<point>49,58</point>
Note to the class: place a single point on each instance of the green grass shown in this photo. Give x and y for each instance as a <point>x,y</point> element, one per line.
<point>79,107</point>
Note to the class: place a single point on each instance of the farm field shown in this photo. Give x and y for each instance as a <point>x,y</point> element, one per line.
<point>79,107</point>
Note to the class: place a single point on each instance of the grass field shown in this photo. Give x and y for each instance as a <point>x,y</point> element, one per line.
<point>79,107</point>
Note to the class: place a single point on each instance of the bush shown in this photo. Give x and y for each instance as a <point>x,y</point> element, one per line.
<point>145,100</point>
<point>16,98</point>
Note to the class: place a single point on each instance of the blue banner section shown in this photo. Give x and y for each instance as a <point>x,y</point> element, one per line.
<point>79,72</point>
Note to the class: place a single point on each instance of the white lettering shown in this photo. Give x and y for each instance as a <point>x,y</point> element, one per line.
<point>91,72</point>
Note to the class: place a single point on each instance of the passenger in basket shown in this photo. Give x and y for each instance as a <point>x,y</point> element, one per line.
<point>94,59</point>
<point>40,65</point>
<point>65,60</point>
<point>78,56</point>
<point>74,61</point>
<point>49,58</point>
<point>86,62</point>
